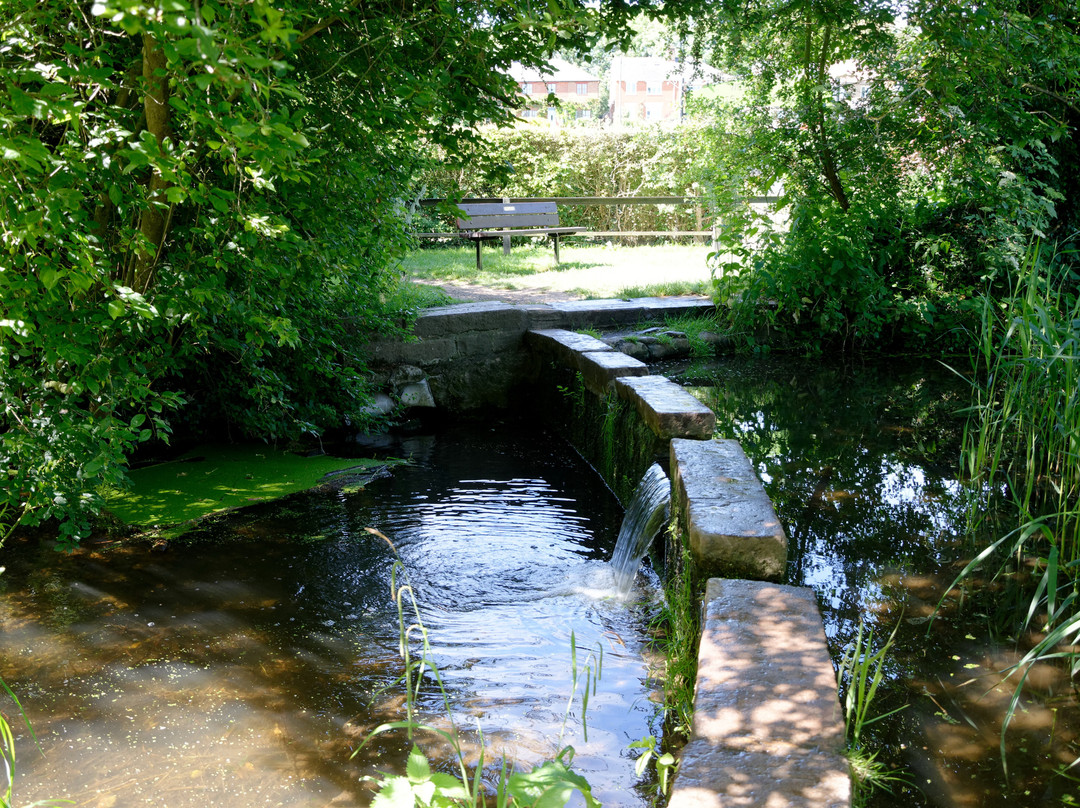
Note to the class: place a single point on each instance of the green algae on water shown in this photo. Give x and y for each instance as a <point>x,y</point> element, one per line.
<point>215,478</point>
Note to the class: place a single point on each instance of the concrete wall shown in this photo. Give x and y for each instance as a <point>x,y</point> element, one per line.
<point>472,356</point>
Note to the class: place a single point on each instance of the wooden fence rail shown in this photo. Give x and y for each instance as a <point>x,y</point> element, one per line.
<point>602,200</point>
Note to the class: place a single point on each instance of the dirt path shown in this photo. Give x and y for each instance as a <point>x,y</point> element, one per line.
<point>471,292</point>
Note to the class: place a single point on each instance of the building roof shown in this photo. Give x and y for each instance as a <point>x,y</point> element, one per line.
<point>559,71</point>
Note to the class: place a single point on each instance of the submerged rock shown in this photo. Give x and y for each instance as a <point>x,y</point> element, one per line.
<point>417,394</point>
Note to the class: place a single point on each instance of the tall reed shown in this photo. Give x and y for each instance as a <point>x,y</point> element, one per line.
<point>1022,444</point>
<point>860,672</point>
<point>1025,433</point>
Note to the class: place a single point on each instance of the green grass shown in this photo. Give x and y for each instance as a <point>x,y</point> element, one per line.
<point>211,479</point>
<point>412,297</point>
<point>677,630</point>
<point>588,270</point>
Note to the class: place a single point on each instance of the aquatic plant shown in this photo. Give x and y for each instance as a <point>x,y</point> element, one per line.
<point>1022,448</point>
<point>677,631</point>
<point>7,753</point>
<point>551,783</point>
<point>861,671</point>
<point>665,761</point>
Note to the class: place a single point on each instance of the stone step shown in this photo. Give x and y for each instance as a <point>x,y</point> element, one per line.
<point>729,519</point>
<point>668,409</point>
<point>768,729</point>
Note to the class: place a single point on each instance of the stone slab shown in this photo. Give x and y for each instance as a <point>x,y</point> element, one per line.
<point>730,522</point>
<point>768,730</point>
<point>541,316</point>
<point>599,369</point>
<point>711,777</point>
<point>765,679</point>
<point>463,317</point>
<point>565,346</point>
<point>620,311</point>
<point>677,305</point>
<point>668,409</point>
<point>600,313</point>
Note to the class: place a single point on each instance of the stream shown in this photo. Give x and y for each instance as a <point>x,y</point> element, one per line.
<point>248,663</point>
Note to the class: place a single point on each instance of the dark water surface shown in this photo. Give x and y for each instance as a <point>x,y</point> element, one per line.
<point>862,463</point>
<point>244,668</point>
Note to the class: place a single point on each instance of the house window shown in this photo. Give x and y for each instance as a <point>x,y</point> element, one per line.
<point>583,88</point>
<point>653,111</point>
<point>654,88</point>
<point>553,114</point>
<point>583,114</point>
<point>551,87</point>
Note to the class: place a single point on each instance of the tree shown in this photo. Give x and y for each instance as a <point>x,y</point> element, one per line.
<point>201,209</point>
<point>907,199</point>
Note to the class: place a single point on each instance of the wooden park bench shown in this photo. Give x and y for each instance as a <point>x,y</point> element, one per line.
<point>487,221</point>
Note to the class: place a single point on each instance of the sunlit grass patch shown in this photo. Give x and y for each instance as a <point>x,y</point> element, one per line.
<point>586,269</point>
<point>214,478</point>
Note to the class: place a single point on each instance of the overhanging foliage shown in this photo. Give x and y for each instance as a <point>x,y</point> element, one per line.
<point>200,207</point>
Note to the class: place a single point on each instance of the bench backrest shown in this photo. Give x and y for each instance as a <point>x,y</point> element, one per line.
<point>491,215</point>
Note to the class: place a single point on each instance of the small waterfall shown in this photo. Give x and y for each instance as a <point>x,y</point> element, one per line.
<point>644,517</point>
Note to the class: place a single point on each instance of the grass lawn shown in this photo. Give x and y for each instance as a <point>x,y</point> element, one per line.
<point>588,270</point>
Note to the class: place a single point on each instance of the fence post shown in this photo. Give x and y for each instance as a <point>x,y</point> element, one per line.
<point>506,239</point>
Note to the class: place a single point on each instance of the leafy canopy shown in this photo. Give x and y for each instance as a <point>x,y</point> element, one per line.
<point>201,212</point>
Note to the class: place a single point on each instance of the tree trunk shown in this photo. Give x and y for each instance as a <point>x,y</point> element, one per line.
<point>153,222</point>
<point>826,158</point>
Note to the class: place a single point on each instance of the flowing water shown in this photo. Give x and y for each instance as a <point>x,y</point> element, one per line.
<point>645,515</point>
<point>243,668</point>
<point>861,462</point>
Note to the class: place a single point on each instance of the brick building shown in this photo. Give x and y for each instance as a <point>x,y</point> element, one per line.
<point>650,89</point>
<point>578,92</point>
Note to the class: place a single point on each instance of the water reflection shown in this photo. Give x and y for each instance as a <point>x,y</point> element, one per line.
<point>861,462</point>
<point>245,668</point>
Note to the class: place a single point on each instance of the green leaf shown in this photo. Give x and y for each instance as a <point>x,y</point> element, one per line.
<point>416,767</point>
<point>48,277</point>
<point>449,786</point>
<point>116,308</point>
<point>396,792</point>
<point>26,106</point>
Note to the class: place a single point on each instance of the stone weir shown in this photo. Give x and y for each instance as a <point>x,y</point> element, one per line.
<point>767,729</point>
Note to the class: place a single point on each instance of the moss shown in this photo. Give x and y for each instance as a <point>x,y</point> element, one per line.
<point>607,431</point>
<point>211,479</point>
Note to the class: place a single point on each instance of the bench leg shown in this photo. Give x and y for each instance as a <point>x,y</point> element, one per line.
<point>506,245</point>
<point>556,237</point>
<point>478,263</point>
